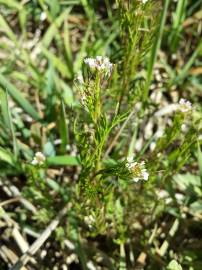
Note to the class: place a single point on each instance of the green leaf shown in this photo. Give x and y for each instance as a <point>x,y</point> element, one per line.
<point>58,63</point>
<point>200,162</point>
<point>67,46</point>
<point>174,265</point>
<point>7,118</point>
<point>88,9</point>
<point>53,184</point>
<point>178,19</point>
<point>53,28</point>
<point>82,53</point>
<point>6,156</point>
<point>49,149</point>
<point>63,127</point>
<point>11,4</point>
<point>18,97</point>
<point>196,207</point>
<point>4,25</point>
<point>63,161</point>
<point>67,94</point>
<point>185,70</point>
<point>186,180</point>
<point>156,46</point>
<point>4,108</point>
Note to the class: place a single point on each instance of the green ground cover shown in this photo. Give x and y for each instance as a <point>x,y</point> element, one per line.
<point>100,134</point>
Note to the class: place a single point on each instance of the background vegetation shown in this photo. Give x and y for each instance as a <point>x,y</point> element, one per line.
<point>81,208</point>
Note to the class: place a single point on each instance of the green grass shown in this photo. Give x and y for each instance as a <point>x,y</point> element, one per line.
<point>83,203</point>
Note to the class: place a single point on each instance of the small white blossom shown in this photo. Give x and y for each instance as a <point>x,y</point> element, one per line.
<point>99,63</point>
<point>43,16</point>
<point>137,169</point>
<point>38,159</point>
<point>185,105</point>
<point>144,1</point>
<point>129,160</point>
<point>89,220</point>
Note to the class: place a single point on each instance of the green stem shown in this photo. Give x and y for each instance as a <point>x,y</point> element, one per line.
<point>155,48</point>
<point>97,111</point>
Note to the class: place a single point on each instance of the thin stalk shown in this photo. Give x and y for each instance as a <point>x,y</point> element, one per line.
<point>122,264</point>
<point>177,24</point>
<point>97,99</point>
<point>188,65</point>
<point>118,134</point>
<point>133,140</point>
<point>155,48</point>
<point>15,145</point>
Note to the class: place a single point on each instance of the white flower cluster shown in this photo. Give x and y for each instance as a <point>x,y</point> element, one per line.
<point>99,63</point>
<point>89,220</point>
<point>184,105</point>
<point>144,1</point>
<point>38,159</point>
<point>138,170</point>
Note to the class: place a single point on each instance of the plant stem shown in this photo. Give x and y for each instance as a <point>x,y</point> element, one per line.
<point>97,99</point>
<point>155,48</point>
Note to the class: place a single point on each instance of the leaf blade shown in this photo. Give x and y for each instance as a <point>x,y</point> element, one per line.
<point>63,161</point>
<point>16,95</point>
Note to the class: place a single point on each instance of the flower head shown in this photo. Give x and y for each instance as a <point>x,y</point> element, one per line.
<point>184,105</point>
<point>137,170</point>
<point>144,1</point>
<point>100,63</point>
<point>89,220</point>
<point>38,159</point>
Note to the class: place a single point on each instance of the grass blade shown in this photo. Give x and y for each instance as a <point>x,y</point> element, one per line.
<point>6,157</point>
<point>177,24</point>
<point>11,4</point>
<point>7,119</point>
<point>58,64</point>
<point>4,25</point>
<point>67,47</point>
<point>184,72</point>
<point>63,128</point>
<point>155,48</point>
<point>81,54</point>
<point>200,162</point>
<point>16,95</point>
<point>53,28</point>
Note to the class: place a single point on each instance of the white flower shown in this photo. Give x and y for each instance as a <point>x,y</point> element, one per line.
<point>144,1</point>
<point>184,105</point>
<point>129,160</point>
<point>90,62</point>
<point>137,170</point>
<point>89,220</point>
<point>99,63</point>
<point>38,159</point>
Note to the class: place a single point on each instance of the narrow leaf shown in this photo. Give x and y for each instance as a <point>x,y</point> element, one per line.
<point>6,156</point>
<point>63,161</point>
<point>17,96</point>
<point>156,46</point>
<point>7,119</point>
<point>200,162</point>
